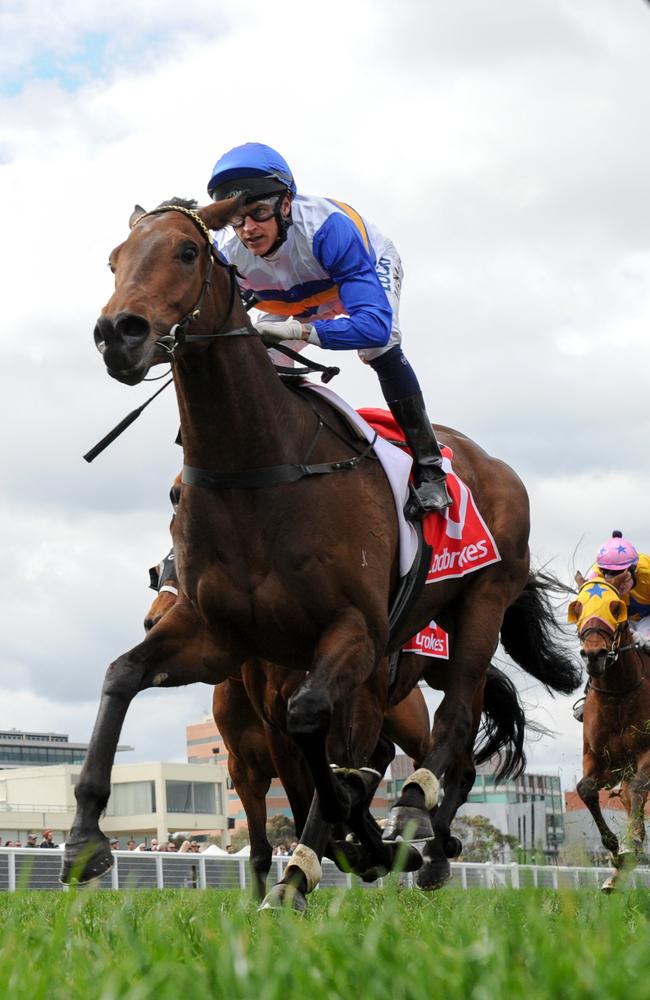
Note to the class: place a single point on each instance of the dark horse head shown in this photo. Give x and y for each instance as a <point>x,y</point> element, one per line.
<point>601,617</point>
<point>162,273</point>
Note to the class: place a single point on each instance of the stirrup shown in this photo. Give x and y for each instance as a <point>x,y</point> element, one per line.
<point>418,506</point>
<point>433,494</point>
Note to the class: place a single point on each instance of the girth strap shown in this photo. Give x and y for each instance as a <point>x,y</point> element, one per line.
<point>273,475</point>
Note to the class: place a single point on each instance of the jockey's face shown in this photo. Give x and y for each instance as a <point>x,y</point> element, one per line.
<point>259,234</point>
<point>623,580</point>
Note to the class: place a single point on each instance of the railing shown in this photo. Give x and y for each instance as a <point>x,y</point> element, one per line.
<point>40,809</point>
<point>26,868</point>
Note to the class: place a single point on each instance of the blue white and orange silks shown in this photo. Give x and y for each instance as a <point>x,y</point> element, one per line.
<point>334,270</point>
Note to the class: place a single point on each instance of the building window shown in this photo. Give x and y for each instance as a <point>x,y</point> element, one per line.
<point>193,797</point>
<point>132,798</point>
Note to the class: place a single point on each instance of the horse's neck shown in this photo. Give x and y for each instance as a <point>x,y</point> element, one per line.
<point>235,413</point>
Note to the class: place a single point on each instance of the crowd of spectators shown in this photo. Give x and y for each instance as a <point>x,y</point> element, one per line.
<point>170,846</point>
<point>166,846</point>
<point>31,840</point>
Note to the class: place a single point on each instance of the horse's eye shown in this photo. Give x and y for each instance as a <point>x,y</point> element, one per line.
<point>189,254</point>
<point>109,263</point>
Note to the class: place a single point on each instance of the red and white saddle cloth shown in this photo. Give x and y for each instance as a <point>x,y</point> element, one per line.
<point>460,539</point>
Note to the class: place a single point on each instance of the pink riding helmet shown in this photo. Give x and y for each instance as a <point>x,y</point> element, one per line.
<point>617,553</point>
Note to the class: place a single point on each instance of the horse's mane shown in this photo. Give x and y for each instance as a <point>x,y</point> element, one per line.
<point>180,202</point>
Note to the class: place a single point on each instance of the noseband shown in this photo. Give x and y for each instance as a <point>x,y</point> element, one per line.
<point>611,655</point>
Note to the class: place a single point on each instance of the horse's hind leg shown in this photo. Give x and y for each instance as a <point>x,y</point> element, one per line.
<point>633,796</point>
<point>479,615</point>
<point>172,654</point>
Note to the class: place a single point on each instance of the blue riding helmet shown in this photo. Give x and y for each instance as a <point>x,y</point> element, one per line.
<point>254,168</point>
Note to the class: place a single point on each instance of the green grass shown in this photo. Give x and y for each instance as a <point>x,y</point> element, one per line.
<point>359,945</point>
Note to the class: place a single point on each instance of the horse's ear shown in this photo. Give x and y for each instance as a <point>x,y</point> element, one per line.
<point>618,610</point>
<point>136,214</point>
<point>580,579</point>
<point>218,213</point>
<point>574,611</point>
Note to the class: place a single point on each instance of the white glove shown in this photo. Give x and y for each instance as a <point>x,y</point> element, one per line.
<point>286,329</point>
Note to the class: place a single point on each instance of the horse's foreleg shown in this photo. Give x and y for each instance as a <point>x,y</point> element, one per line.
<point>345,657</point>
<point>372,857</point>
<point>444,847</point>
<point>452,739</point>
<point>169,656</point>
<point>251,786</point>
<point>588,787</point>
<point>303,871</point>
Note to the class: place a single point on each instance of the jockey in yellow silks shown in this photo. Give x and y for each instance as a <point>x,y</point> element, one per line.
<point>618,562</point>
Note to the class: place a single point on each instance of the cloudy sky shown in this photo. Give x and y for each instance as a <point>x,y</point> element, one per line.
<point>505,149</point>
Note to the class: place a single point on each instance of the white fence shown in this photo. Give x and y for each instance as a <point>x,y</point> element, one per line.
<point>23,868</point>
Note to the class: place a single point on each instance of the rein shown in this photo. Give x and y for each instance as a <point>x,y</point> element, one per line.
<point>177,335</point>
<point>611,657</point>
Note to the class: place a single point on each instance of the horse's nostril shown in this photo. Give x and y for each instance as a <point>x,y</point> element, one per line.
<point>103,328</point>
<point>150,622</point>
<point>132,328</point>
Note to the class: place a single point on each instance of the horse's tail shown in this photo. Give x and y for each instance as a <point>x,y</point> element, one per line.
<point>503,726</point>
<point>534,639</point>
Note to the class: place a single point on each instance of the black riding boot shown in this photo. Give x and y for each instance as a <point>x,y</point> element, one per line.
<point>430,485</point>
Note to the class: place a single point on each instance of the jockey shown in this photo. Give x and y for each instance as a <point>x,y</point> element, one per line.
<point>323,275</point>
<point>617,557</point>
<point>618,562</point>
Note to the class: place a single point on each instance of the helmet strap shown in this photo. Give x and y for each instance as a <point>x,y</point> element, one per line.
<point>283,221</point>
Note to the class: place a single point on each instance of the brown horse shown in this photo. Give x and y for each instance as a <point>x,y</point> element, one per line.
<point>616,720</point>
<point>252,727</point>
<point>286,540</point>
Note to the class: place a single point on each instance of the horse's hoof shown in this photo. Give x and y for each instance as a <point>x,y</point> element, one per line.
<point>433,874</point>
<point>453,847</point>
<point>407,858</point>
<point>86,861</point>
<point>407,823</point>
<point>608,886</point>
<point>624,860</point>
<point>284,897</point>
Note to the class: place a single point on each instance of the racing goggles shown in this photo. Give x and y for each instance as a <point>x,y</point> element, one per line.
<point>261,211</point>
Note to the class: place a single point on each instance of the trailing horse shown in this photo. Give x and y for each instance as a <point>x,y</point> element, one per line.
<point>616,719</point>
<point>286,538</point>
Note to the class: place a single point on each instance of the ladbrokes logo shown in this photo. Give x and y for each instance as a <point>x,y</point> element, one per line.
<point>462,557</point>
<point>430,642</point>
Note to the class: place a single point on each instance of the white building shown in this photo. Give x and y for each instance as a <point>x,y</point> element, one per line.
<point>147,800</point>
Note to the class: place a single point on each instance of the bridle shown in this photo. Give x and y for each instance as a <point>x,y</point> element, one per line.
<point>177,334</point>
<point>612,655</point>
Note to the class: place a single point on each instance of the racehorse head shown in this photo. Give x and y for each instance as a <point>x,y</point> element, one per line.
<point>162,579</point>
<point>164,280</point>
<point>601,619</point>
